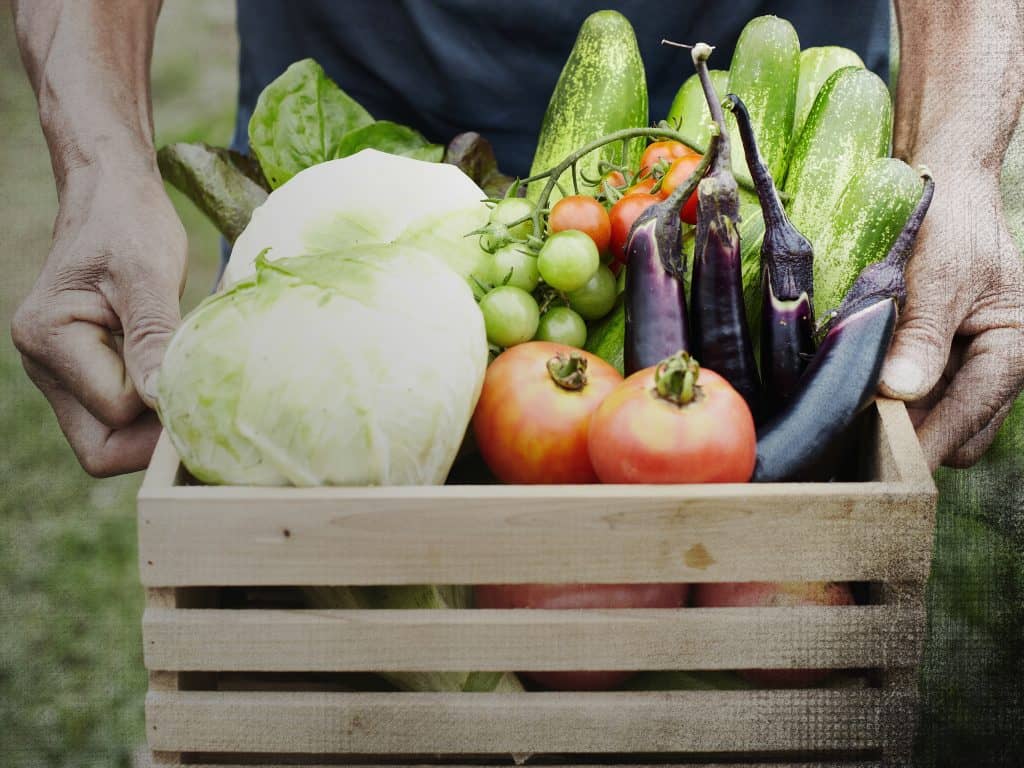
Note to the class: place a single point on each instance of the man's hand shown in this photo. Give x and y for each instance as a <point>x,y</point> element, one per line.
<point>958,356</point>
<point>94,328</point>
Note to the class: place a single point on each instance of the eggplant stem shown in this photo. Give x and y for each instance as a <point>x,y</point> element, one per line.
<point>675,378</point>
<point>701,53</point>
<point>771,204</point>
<point>899,254</point>
<point>569,371</point>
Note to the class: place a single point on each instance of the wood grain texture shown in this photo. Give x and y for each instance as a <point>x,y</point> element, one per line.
<point>593,723</point>
<point>846,637</point>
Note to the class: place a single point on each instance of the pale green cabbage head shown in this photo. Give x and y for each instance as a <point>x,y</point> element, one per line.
<point>359,366</point>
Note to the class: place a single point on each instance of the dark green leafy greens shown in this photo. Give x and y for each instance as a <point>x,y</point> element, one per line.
<point>474,156</point>
<point>303,118</point>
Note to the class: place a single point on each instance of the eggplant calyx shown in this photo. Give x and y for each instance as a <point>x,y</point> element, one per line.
<point>675,379</point>
<point>569,371</point>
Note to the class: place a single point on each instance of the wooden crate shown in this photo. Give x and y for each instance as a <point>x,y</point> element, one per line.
<point>234,685</point>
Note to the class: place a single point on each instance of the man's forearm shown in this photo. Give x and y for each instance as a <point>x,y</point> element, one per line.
<point>88,61</point>
<point>960,83</point>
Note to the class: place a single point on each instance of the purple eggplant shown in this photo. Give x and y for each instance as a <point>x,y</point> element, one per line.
<point>787,280</point>
<point>843,377</point>
<point>655,292</point>
<point>720,336</point>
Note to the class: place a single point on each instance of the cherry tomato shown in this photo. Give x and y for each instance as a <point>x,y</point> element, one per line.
<point>643,186</point>
<point>615,179</point>
<point>662,150</point>
<point>622,216</point>
<point>786,594</point>
<point>573,596</point>
<point>639,435</point>
<point>584,213</point>
<point>677,174</point>
<point>529,427</point>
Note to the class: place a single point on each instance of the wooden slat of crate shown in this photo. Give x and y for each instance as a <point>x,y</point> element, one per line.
<point>493,640</point>
<point>143,763</point>
<point>450,723</point>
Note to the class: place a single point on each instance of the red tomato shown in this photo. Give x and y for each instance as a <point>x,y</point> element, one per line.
<point>622,216</point>
<point>616,179</point>
<point>570,596</point>
<point>643,186</point>
<point>531,429</point>
<point>638,436</point>
<point>676,175</point>
<point>762,593</point>
<point>662,150</point>
<point>584,213</point>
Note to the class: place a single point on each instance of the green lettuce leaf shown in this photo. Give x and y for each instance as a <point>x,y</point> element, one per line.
<point>389,137</point>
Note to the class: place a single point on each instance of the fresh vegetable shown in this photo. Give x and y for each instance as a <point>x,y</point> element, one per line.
<point>580,596</point>
<point>511,315</point>
<point>595,299</point>
<point>303,118</point>
<point>816,66</point>
<point>865,223</point>
<point>585,214</point>
<point>534,411</point>
<point>359,366</point>
<point>622,216</point>
<point>673,423</point>
<point>655,293</point>
<point>662,153</point>
<point>509,221</point>
<point>474,156</point>
<point>849,125</point>
<point>678,173</point>
<point>320,211</point>
<point>412,598</point>
<point>568,260</point>
<point>562,326</point>
<point>689,113</point>
<point>512,265</point>
<point>787,267</point>
<point>764,72</point>
<point>602,88</point>
<point>842,378</point>
<point>718,325</point>
<point>774,595</point>
<point>606,338</point>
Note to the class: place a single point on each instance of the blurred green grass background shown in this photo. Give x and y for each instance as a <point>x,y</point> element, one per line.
<point>71,674</point>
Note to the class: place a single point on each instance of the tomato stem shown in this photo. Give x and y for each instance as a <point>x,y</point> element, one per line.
<point>675,378</point>
<point>569,371</point>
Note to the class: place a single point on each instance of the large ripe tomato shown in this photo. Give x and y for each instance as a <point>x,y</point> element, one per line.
<point>584,213</point>
<point>531,429</point>
<point>644,185</point>
<point>775,595</point>
<point>677,174</point>
<point>570,596</point>
<point>646,431</point>
<point>622,216</point>
<point>662,150</point>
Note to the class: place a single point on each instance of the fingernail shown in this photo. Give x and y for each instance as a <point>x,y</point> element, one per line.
<point>902,377</point>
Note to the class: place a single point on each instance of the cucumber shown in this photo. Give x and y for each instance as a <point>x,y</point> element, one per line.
<point>816,66</point>
<point>607,337</point>
<point>849,125</point>
<point>862,227</point>
<point>689,113</point>
<point>764,73</point>
<point>602,88</point>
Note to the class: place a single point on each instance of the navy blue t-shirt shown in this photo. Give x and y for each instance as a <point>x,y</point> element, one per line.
<point>448,66</point>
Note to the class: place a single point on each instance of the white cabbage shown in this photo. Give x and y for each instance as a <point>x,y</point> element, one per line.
<point>357,366</point>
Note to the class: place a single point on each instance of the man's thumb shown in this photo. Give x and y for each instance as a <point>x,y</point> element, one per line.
<point>918,356</point>
<point>149,321</point>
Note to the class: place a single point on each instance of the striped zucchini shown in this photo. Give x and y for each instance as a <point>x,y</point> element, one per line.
<point>816,66</point>
<point>689,113</point>
<point>602,88</point>
<point>849,125</point>
<point>862,227</point>
<point>764,73</point>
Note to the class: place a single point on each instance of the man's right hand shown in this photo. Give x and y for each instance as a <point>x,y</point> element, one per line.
<point>94,328</point>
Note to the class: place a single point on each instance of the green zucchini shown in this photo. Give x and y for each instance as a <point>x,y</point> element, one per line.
<point>849,125</point>
<point>689,113</point>
<point>607,337</point>
<point>816,65</point>
<point>862,227</point>
<point>764,73</point>
<point>602,88</point>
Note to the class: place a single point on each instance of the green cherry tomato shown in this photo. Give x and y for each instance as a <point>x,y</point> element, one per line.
<point>595,299</point>
<point>562,326</point>
<point>515,265</point>
<point>568,259</point>
<point>510,316</point>
<point>504,214</point>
